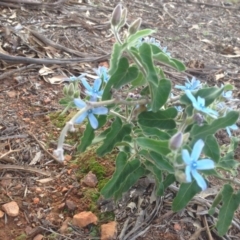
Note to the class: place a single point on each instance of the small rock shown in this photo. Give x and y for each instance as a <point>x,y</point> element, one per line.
<point>1,213</point>
<point>11,94</point>
<point>109,231</point>
<point>7,179</point>
<point>70,205</point>
<point>11,209</point>
<point>38,237</point>
<point>90,180</point>
<point>83,219</point>
<point>64,227</point>
<point>47,100</point>
<point>36,200</point>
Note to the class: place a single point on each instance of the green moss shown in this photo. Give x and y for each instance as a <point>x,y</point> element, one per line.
<point>23,236</point>
<point>106,217</point>
<point>57,119</point>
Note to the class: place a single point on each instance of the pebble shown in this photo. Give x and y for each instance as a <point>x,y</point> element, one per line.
<point>90,180</point>
<point>11,209</point>
<point>83,219</point>
<point>109,231</point>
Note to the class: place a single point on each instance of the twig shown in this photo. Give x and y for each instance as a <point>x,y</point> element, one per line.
<point>43,148</point>
<point>13,136</point>
<point>207,227</point>
<point>24,168</point>
<point>10,73</point>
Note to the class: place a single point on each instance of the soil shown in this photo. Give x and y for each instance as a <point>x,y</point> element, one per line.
<point>76,36</point>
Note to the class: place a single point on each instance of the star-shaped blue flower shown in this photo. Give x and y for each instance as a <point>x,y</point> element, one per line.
<point>193,164</point>
<point>199,104</point>
<point>93,91</point>
<point>232,127</point>
<point>102,73</point>
<point>89,113</point>
<point>192,85</point>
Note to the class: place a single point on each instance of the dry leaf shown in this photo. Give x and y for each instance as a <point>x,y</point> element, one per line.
<point>219,76</point>
<point>36,158</point>
<point>45,71</point>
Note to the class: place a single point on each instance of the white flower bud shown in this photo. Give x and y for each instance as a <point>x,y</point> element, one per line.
<point>176,141</point>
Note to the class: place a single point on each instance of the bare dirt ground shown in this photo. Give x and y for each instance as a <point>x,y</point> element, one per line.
<point>44,42</point>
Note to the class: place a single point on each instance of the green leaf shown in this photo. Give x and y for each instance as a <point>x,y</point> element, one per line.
<point>86,139</point>
<point>216,201</point>
<point>139,81</point>
<point>116,55</point>
<point>153,131</point>
<point>158,160</point>
<point>228,163</point>
<point>202,132</point>
<point>146,56</point>
<point>209,94</point>
<point>186,192</point>
<point>157,175</point>
<point>121,162</point>
<point>129,180</point>
<point>124,74</point>
<point>211,148</point>
<point>164,58</point>
<point>158,146</point>
<point>117,134</point>
<point>163,119</point>
<point>180,66</point>
<point>132,39</point>
<point>160,94</point>
<point>230,205</point>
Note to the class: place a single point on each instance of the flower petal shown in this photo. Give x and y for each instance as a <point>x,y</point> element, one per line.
<point>229,131</point>
<point>93,121</point>
<point>188,174</point>
<point>79,103</point>
<point>205,164</point>
<point>201,101</point>
<point>200,180</point>
<point>197,149</point>
<point>97,84</point>
<point>186,157</point>
<point>180,87</point>
<point>234,127</point>
<point>81,118</point>
<point>191,97</point>
<point>100,110</point>
<point>86,84</point>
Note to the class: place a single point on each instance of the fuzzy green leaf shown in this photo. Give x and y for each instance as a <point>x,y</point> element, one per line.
<point>157,146</point>
<point>230,204</point>
<point>211,148</point>
<point>117,134</point>
<point>186,192</point>
<point>163,119</point>
<point>116,55</point>
<point>201,132</point>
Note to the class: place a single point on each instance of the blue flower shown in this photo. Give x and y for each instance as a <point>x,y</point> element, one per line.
<point>101,71</point>
<point>193,85</point>
<point>179,109</point>
<point>199,105</point>
<point>89,113</point>
<point>227,95</point>
<point>93,91</point>
<point>73,78</point>
<point>232,127</point>
<point>193,164</point>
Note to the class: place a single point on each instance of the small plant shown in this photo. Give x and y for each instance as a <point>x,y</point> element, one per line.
<point>131,107</point>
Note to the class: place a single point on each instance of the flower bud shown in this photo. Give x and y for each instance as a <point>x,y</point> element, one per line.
<point>123,18</point>
<point>70,90</point>
<point>180,176</point>
<point>133,28</point>
<point>76,94</point>
<point>65,90</point>
<point>176,141</point>
<point>116,15</point>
